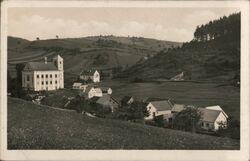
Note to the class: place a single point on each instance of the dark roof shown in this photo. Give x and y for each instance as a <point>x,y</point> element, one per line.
<point>162,105</point>
<point>178,107</point>
<point>104,89</point>
<point>88,89</point>
<point>151,99</point>
<point>41,66</point>
<point>94,99</point>
<point>125,99</point>
<point>88,72</point>
<point>209,115</point>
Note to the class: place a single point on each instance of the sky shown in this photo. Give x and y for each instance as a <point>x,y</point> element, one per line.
<point>172,24</point>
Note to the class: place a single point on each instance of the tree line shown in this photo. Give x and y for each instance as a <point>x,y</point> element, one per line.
<point>225,26</point>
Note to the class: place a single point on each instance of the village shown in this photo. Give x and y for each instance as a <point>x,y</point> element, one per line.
<point>92,99</point>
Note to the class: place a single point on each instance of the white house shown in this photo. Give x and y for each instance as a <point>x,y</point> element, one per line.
<point>212,119</point>
<point>79,86</point>
<point>93,92</point>
<point>157,108</point>
<point>92,75</point>
<point>44,75</point>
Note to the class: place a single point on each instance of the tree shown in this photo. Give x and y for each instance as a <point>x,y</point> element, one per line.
<point>57,36</point>
<point>187,119</point>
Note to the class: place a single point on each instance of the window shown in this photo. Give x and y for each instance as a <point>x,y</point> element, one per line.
<point>28,78</point>
<point>50,82</point>
<point>42,82</point>
<point>46,82</point>
<point>37,76</point>
<point>56,82</point>
<point>207,124</point>
<point>50,75</point>
<point>202,124</point>
<point>42,75</point>
<point>55,75</point>
<point>46,75</point>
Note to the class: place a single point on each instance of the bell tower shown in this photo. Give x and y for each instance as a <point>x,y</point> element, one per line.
<point>58,61</point>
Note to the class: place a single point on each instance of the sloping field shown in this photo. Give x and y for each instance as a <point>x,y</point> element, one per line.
<point>200,94</point>
<point>39,127</point>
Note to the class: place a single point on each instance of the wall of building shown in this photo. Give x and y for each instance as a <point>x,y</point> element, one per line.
<point>220,118</point>
<point>43,80</point>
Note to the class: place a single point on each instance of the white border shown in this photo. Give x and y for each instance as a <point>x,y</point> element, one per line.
<point>210,155</point>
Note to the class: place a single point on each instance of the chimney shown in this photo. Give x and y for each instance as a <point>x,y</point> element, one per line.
<point>45,60</point>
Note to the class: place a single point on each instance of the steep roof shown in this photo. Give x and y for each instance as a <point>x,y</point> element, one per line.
<point>150,99</point>
<point>178,107</point>
<point>125,99</point>
<point>98,90</point>
<point>88,72</point>
<point>209,115</point>
<point>218,108</point>
<point>162,105</point>
<point>41,66</point>
<point>88,89</point>
<point>104,100</point>
<point>104,89</point>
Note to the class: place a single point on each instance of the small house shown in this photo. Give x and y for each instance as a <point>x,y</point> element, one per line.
<point>106,101</point>
<point>92,91</point>
<point>212,119</point>
<point>79,86</point>
<point>90,75</point>
<point>157,108</point>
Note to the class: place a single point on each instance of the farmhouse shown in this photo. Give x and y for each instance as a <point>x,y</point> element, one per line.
<point>93,92</point>
<point>157,108</point>
<point>212,119</point>
<point>92,75</point>
<point>44,75</point>
<point>106,101</point>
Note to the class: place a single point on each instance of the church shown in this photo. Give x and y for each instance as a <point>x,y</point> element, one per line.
<point>39,76</point>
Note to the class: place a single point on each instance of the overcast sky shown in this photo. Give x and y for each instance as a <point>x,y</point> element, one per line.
<point>173,24</point>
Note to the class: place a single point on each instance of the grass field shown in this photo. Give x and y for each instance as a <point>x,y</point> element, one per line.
<point>32,126</point>
<point>200,94</point>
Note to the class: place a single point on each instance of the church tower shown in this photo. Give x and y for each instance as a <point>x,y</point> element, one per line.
<point>58,61</point>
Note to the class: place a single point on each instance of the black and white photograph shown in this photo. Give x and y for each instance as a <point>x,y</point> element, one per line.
<point>125,77</point>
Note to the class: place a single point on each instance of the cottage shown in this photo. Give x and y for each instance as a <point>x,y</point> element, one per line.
<point>106,90</point>
<point>127,100</point>
<point>212,119</point>
<point>157,108</point>
<point>92,91</point>
<point>106,101</point>
<point>92,75</point>
<point>38,76</point>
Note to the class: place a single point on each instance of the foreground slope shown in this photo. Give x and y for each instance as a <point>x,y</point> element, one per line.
<point>38,127</point>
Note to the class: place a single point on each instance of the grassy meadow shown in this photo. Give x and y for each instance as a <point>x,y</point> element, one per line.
<point>200,94</point>
<point>33,126</point>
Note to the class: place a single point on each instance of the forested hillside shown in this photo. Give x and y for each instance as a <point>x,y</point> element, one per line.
<point>213,54</point>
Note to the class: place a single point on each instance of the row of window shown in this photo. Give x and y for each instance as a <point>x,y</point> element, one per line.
<point>46,76</point>
<point>47,82</point>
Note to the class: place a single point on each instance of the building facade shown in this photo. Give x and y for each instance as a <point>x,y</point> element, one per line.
<point>92,75</point>
<point>39,76</point>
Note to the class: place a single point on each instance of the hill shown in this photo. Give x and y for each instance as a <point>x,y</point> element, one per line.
<point>213,54</point>
<point>32,126</point>
<point>88,52</point>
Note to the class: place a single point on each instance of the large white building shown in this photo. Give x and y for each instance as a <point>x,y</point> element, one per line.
<point>45,75</point>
